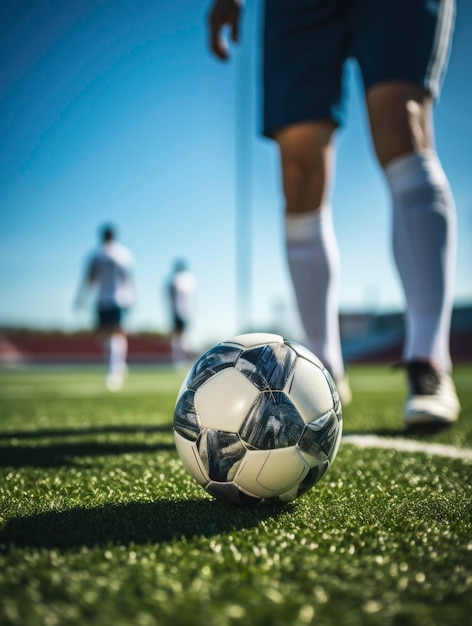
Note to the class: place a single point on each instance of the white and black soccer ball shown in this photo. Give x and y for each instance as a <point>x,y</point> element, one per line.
<point>257,419</point>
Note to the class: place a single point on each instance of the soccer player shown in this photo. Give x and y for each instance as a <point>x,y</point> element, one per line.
<point>402,49</point>
<point>181,289</point>
<point>109,272</point>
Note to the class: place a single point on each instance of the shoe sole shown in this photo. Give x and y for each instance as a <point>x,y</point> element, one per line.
<point>427,427</point>
<point>427,424</point>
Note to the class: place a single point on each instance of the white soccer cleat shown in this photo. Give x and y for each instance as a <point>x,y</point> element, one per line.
<point>432,403</point>
<point>114,382</point>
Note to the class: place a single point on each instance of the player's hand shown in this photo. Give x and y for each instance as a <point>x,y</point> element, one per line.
<point>224,13</point>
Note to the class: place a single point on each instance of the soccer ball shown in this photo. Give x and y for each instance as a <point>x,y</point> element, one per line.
<point>257,419</point>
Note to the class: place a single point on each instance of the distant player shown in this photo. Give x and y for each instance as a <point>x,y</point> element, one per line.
<point>181,289</point>
<point>401,49</point>
<point>109,272</point>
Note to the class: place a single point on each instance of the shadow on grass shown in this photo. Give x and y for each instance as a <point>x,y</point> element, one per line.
<point>89,430</point>
<point>133,523</point>
<point>62,455</point>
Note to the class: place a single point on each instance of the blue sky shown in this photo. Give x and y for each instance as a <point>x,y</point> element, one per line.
<point>115,111</point>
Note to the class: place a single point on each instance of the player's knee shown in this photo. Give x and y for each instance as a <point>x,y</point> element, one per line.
<point>396,138</point>
<point>297,174</point>
<point>304,177</point>
<point>305,154</point>
<point>304,188</point>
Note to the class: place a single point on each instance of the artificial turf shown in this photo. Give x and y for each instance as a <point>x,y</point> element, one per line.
<point>101,524</point>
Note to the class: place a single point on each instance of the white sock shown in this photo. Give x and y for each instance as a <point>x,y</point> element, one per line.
<point>179,352</point>
<point>313,260</point>
<point>117,353</point>
<point>424,244</point>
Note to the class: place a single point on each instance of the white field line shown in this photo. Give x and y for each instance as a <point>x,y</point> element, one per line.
<point>408,445</point>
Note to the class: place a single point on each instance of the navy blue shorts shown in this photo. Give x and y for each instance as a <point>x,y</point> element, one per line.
<point>180,324</point>
<point>109,317</point>
<point>307,42</point>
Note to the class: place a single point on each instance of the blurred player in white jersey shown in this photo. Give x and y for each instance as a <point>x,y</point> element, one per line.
<point>181,290</point>
<point>401,48</point>
<point>109,273</point>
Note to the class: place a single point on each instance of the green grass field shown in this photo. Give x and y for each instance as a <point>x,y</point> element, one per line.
<point>100,524</point>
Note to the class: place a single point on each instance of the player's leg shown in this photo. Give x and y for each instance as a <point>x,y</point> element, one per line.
<point>118,352</point>
<point>304,48</point>
<point>424,244</point>
<point>403,54</point>
<point>424,221</point>
<point>116,345</point>
<point>312,251</point>
<point>177,342</point>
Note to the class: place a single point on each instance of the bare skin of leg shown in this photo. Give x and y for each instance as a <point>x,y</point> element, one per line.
<point>305,155</point>
<point>400,120</point>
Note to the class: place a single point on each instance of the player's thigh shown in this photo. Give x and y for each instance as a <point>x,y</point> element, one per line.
<point>400,119</point>
<point>305,157</point>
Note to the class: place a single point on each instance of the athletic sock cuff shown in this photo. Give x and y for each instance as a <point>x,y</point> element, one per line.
<point>415,170</point>
<point>306,226</point>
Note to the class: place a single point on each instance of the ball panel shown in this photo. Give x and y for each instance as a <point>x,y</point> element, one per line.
<point>314,475</point>
<point>249,340</point>
<point>334,391</point>
<point>303,352</point>
<point>326,431</point>
<point>224,400</point>
<point>270,473</point>
<point>310,450</point>
<point>268,366</point>
<point>183,387</point>
<point>289,495</point>
<point>186,421</point>
<point>231,494</point>
<point>190,458</point>
<point>273,422</point>
<point>213,361</point>
<point>221,453</point>
<point>310,390</point>
<point>337,443</point>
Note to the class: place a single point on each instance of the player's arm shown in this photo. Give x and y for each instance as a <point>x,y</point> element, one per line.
<point>223,14</point>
